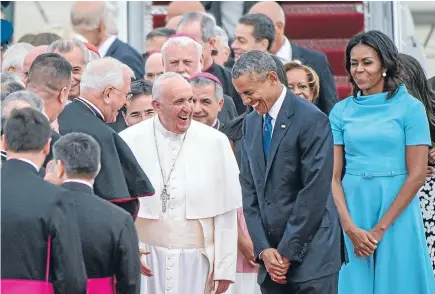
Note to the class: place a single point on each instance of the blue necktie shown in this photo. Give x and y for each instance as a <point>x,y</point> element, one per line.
<point>267,134</point>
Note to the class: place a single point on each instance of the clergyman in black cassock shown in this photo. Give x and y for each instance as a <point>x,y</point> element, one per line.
<point>109,239</point>
<point>33,210</point>
<point>108,235</point>
<point>121,179</point>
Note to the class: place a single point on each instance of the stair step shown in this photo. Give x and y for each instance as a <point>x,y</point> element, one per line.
<point>333,48</point>
<point>344,88</point>
<point>158,12</point>
<point>323,21</point>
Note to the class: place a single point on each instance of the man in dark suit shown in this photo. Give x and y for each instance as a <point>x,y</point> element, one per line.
<point>286,172</point>
<point>49,77</point>
<point>37,217</point>
<point>103,92</point>
<point>95,22</point>
<point>287,51</point>
<point>110,248</point>
<point>202,28</point>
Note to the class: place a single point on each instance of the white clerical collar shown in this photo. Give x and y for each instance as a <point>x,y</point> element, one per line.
<point>162,130</point>
<point>285,52</point>
<point>78,181</point>
<point>276,107</point>
<point>106,45</point>
<point>93,106</point>
<point>27,161</point>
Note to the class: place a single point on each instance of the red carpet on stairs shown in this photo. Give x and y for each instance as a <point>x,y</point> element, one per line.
<point>326,27</point>
<point>323,26</point>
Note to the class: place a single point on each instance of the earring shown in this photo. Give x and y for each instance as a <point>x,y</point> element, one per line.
<point>384,74</point>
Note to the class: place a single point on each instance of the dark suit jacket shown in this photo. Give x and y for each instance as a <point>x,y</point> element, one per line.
<point>121,180</point>
<point>119,125</point>
<point>128,55</point>
<point>287,199</point>
<point>31,211</point>
<point>110,248</point>
<point>227,84</point>
<point>228,111</point>
<point>318,61</point>
<point>54,137</point>
<point>4,156</point>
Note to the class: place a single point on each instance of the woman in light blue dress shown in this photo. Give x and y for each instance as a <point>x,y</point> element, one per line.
<point>381,138</point>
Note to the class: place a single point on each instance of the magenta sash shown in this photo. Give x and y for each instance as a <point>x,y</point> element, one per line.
<point>17,286</point>
<point>101,286</point>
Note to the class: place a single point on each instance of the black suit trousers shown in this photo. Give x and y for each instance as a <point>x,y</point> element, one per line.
<point>325,285</point>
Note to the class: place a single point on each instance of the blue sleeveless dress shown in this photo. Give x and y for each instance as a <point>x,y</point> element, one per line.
<point>375,132</point>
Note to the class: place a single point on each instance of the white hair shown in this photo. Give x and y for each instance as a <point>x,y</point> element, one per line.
<point>220,32</point>
<point>87,21</point>
<point>93,55</point>
<point>103,73</point>
<point>65,46</point>
<point>159,83</point>
<point>211,16</point>
<point>15,55</point>
<point>183,42</point>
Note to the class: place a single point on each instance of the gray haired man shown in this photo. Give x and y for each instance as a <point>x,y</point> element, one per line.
<point>76,53</point>
<point>202,28</point>
<point>190,226</point>
<point>183,55</point>
<point>104,89</point>
<point>19,100</point>
<point>13,58</point>
<point>207,99</point>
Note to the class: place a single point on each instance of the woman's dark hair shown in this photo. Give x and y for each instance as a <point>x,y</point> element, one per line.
<point>415,80</point>
<point>388,54</point>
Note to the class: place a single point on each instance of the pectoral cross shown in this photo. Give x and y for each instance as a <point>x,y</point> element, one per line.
<point>165,197</point>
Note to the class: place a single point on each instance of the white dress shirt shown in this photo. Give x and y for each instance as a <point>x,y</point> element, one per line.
<point>276,107</point>
<point>285,52</point>
<point>103,48</point>
<point>79,181</point>
<point>29,162</point>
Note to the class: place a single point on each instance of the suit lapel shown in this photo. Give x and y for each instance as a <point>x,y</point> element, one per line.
<point>296,52</point>
<point>282,125</point>
<point>113,47</point>
<point>257,143</point>
<point>89,107</point>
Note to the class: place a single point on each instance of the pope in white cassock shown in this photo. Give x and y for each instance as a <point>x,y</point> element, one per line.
<point>190,225</point>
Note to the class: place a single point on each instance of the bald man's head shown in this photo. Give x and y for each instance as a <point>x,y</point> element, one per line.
<point>271,9</point>
<point>31,56</point>
<point>177,8</point>
<point>275,12</point>
<point>173,22</point>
